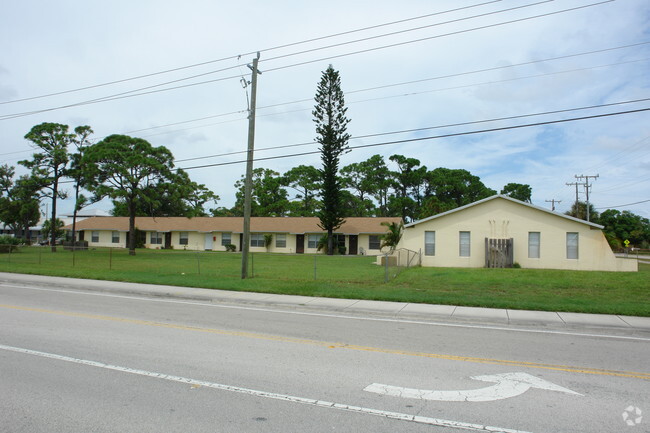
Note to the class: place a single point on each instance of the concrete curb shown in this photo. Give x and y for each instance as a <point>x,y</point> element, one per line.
<point>397,310</point>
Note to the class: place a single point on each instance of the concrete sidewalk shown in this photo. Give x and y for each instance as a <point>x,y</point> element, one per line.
<point>396,310</point>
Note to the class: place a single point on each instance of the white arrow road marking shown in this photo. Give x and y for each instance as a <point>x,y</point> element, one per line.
<point>271,395</point>
<point>507,385</point>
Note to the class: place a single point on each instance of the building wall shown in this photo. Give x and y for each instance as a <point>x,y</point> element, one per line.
<point>501,218</point>
<point>196,241</point>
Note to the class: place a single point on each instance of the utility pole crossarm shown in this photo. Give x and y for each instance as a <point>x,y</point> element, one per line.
<point>587,186</point>
<point>553,201</point>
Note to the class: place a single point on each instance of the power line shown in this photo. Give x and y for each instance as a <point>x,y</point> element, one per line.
<point>246,54</point>
<point>430,79</point>
<point>521,116</point>
<point>624,205</point>
<point>411,140</point>
<point>130,94</point>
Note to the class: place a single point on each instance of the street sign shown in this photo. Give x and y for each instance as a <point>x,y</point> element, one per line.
<point>507,385</point>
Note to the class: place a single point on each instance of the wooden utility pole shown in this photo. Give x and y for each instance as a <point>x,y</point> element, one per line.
<point>587,186</point>
<point>248,185</point>
<point>553,201</point>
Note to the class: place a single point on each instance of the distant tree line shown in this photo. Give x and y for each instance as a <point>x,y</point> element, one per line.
<point>619,226</point>
<point>370,188</point>
<point>139,178</point>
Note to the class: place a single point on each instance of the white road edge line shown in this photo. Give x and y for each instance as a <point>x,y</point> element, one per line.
<point>333,316</point>
<point>266,394</point>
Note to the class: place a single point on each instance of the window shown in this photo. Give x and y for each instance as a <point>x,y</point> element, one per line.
<point>533,245</point>
<point>115,237</point>
<point>374,242</point>
<point>156,238</point>
<point>429,243</point>
<point>281,240</point>
<point>312,241</point>
<point>257,240</point>
<point>464,239</point>
<point>226,239</point>
<point>572,245</point>
<point>95,237</point>
<point>183,238</point>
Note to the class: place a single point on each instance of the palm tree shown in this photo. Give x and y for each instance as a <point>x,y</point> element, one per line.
<point>392,236</point>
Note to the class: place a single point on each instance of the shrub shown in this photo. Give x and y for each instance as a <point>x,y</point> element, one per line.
<point>8,243</point>
<point>516,265</point>
<point>231,248</point>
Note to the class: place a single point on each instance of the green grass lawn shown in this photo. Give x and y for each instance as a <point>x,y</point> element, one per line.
<point>351,277</point>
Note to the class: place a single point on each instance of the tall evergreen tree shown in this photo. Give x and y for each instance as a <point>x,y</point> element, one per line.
<point>50,163</point>
<point>331,125</point>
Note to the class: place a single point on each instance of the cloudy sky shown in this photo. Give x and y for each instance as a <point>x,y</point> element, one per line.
<point>171,72</point>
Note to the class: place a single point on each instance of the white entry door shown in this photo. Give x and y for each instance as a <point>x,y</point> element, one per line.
<point>208,241</point>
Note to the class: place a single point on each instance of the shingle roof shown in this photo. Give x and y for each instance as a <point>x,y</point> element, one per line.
<point>295,225</point>
<point>505,197</point>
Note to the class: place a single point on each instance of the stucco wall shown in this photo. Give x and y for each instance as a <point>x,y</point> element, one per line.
<point>501,218</point>
<point>197,241</point>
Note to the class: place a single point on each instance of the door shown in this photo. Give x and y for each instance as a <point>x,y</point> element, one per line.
<point>208,241</point>
<point>354,244</point>
<point>300,244</point>
<point>168,240</point>
<point>498,253</point>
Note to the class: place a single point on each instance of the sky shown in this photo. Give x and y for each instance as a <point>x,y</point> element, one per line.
<point>469,74</point>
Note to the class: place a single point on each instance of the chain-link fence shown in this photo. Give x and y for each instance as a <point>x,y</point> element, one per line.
<point>305,267</point>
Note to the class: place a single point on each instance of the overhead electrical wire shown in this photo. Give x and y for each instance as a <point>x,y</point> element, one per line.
<point>623,205</point>
<point>130,94</point>
<point>405,131</point>
<point>291,44</point>
<point>424,80</point>
<point>450,135</point>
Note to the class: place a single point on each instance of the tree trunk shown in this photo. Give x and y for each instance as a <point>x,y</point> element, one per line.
<point>74,215</point>
<point>330,243</point>
<point>53,221</point>
<point>132,239</point>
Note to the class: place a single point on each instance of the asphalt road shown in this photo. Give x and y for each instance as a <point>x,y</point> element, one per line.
<point>90,361</point>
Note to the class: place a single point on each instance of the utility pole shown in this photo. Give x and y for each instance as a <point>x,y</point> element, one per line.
<point>553,201</point>
<point>587,186</point>
<point>576,185</point>
<point>248,185</point>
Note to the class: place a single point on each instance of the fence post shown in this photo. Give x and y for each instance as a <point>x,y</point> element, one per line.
<point>11,247</point>
<point>315,267</point>
<point>40,253</point>
<point>252,265</point>
<point>73,256</point>
<point>110,259</point>
<point>385,267</point>
<point>198,261</point>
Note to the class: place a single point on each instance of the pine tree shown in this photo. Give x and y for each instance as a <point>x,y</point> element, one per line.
<point>331,124</point>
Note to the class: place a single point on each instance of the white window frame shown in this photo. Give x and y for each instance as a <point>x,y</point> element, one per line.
<point>94,236</point>
<point>226,239</point>
<point>534,245</point>
<point>281,240</point>
<point>572,245</point>
<point>312,241</point>
<point>464,244</point>
<point>183,238</point>
<point>156,238</point>
<point>374,242</point>
<point>115,237</point>
<point>257,240</point>
<point>429,243</point>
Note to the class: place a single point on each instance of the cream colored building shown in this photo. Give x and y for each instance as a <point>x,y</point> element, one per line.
<point>359,236</point>
<point>500,231</point>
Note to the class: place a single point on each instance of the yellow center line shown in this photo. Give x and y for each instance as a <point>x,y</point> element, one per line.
<point>330,345</point>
